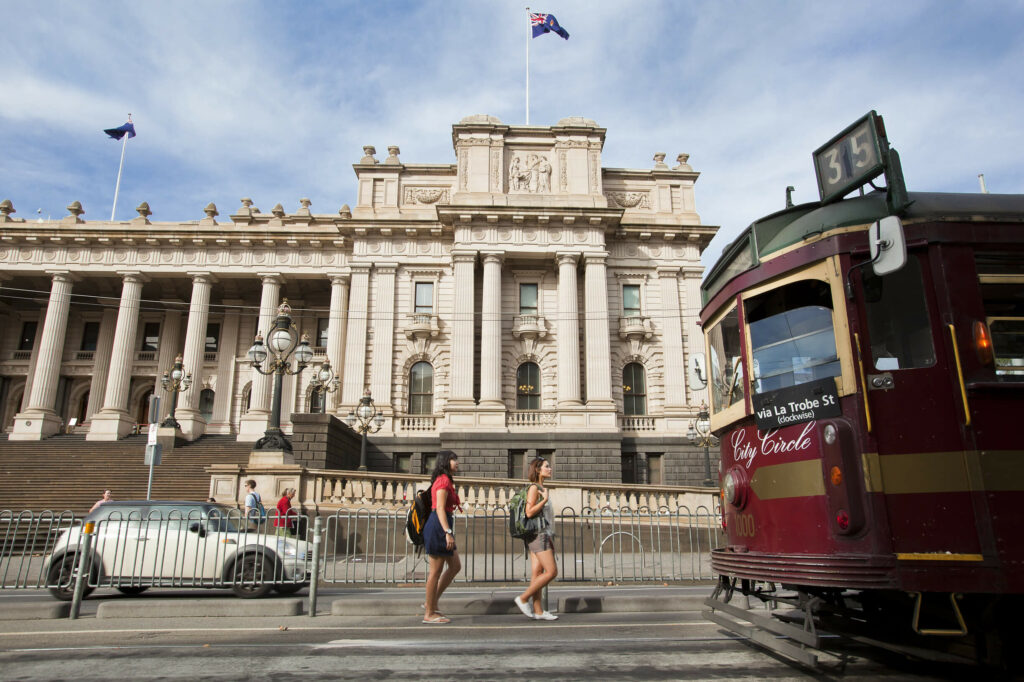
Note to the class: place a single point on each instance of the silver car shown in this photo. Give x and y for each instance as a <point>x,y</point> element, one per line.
<point>142,544</point>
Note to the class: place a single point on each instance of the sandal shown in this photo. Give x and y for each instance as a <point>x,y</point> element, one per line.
<point>436,620</point>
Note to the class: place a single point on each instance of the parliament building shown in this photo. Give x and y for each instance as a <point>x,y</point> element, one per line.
<point>522,300</point>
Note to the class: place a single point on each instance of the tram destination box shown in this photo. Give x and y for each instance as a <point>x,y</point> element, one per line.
<point>796,404</point>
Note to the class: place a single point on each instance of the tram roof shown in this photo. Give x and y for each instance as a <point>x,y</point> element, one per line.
<point>792,225</point>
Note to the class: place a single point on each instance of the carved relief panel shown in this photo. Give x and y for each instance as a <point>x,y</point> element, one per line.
<point>529,172</point>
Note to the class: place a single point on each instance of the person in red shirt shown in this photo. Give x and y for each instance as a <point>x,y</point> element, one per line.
<point>439,534</point>
<point>284,522</point>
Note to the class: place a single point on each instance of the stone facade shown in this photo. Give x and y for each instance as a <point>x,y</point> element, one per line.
<point>523,299</point>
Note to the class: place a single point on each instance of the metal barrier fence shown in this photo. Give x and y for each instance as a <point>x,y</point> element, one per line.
<point>367,546</point>
<point>217,547</point>
<point>131,552</point>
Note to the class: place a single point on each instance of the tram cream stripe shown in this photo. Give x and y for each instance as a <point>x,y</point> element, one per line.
<point>792,479</point>
<point>937,556</point>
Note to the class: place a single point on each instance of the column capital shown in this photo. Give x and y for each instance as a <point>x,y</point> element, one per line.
<point>566,258</point>
<point>493,257</point>
<point>63,275</point>
<point>598,258</point>
<point>463,256</point>
<point>667,271</point>
<point>340,276</point>
<point>388,268</point>
<point>132,276</point>
<point>205,275</point>
<point>360,268</point>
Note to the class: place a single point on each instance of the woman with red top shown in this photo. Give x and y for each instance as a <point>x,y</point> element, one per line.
<point>439,534</point>
<point>284,522</point>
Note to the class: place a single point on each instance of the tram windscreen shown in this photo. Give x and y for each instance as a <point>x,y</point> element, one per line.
<point>726,366</point>
<point>792,335</point>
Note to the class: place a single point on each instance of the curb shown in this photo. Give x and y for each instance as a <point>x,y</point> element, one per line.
<point>199,608</point>
<point>36,611</point>
<point>503,605</point>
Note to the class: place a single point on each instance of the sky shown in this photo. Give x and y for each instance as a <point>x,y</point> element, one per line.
<point>274,100</point>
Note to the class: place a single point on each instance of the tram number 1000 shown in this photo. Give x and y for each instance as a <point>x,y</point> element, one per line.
<point>742,525</point>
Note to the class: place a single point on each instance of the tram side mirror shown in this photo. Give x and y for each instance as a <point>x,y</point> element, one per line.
<point>888,245</point>
<point>696,371</point>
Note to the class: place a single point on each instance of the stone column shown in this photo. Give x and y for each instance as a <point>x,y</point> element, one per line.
<point>336,322</point>
<point>672,341</point>
<point>598,339</point>
<point>354,377</point>
<point>463,265</point>
<point>490,333</point>
<point>101,363</point>
<point>192,423</point>
<point>383,335</point>
<point>693,338</point>
<point>568,332</point>
<point>170,335</point>
<point>253,423</point>
<point>114,421</point>
<point>39,419</point>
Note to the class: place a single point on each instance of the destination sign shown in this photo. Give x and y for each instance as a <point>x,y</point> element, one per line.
<point>851,159</point>
<point>796,404</point>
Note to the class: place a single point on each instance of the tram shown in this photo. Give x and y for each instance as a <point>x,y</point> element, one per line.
<point>864,358</point>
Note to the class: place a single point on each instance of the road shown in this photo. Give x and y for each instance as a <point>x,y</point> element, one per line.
<point>579,646</point>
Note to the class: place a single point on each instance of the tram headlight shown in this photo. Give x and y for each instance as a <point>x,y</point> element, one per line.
<point>735,486</point>
<point>729,487</point>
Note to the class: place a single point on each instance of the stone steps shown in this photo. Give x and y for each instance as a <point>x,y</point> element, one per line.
<point>69,473</point>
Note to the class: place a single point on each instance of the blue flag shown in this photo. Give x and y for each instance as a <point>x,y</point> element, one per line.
<point>119,132</point>
<point>546,23</point>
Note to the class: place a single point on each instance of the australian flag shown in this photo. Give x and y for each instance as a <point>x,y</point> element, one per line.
<point>546,23</point>
<point>120,131</point>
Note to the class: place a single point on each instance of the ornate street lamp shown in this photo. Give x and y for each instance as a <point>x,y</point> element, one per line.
<point>360,420</point>
<point>324,381</point>
<point>281,343</point>
<point>174,382</point>
<point>700,435</point>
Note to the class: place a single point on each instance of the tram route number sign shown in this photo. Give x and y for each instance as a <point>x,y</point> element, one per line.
<point>852,158</point>
<point>796,404</point>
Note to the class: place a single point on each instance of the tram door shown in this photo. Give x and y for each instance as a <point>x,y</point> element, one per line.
<point>916,417</point>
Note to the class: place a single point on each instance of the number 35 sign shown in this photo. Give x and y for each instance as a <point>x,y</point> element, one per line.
<point>851,158</point>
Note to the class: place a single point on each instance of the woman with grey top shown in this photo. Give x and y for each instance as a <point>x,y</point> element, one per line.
<point>541,547</point>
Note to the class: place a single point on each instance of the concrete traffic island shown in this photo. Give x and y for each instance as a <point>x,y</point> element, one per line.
<point>199,608</point>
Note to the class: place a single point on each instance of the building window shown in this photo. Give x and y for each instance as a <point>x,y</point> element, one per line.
<point>517,464</point>
<point>206,404</point>
<point>429,460</point>
<point>28,335</point>
<point>403,462</point>
<point>212,337</point>
<point>631,300</point>
<point>634,390</point>
<point>421,389</point>
<point>151,336</point>
<point>528,299</point>
<point>655,475</point>
<point>322,325</point>
<point>629,460</point>
<point>90,335</point>
<point>528,386</point>
<point>246,399</point>
<point>424,297</point>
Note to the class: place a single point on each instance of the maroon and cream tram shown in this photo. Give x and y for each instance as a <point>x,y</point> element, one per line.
<point>865,367</point>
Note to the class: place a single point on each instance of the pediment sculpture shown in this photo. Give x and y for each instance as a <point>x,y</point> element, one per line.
<point>530,173</point>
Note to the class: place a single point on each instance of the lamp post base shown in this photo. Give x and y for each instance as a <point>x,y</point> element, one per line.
<point>273,440</point>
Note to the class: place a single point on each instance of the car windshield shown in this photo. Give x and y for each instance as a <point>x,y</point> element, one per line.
<point>216,518</point>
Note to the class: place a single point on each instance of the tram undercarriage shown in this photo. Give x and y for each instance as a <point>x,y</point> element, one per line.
<point>805,624</point>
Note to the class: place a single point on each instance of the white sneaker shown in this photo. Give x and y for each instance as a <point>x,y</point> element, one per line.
<point>547,615</point>
<point>524,607</point>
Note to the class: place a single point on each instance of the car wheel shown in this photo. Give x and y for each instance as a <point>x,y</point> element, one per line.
<point>132,591</point>
<point>249,570</point>
<point>61,578</point>
<point>289,588</point>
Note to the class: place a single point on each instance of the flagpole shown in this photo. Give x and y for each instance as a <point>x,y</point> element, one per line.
<point>529,28</point>
<point>117,187</point>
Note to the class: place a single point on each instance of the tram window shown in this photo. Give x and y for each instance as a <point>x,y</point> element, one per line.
<point>726,369</point>
<point>791,335</point>
<point>1004,311</point>
<point>899,329</point>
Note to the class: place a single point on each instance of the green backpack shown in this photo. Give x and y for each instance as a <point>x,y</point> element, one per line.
<point>519,525</point>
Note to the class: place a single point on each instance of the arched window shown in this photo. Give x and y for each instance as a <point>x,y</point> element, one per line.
<point>246,398</point>
<point>634,389</point>
<point>421,389</point>
<point>528,386</point>
<point>206,404</point>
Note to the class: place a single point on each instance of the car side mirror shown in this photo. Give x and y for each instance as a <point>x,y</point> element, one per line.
<point>198,529</point>
<point>888,245</point>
